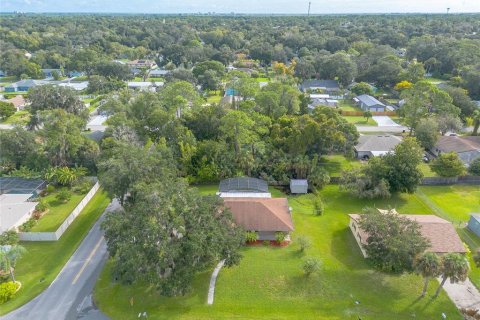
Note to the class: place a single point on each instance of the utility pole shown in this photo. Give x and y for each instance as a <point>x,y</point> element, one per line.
<point>309,4</point>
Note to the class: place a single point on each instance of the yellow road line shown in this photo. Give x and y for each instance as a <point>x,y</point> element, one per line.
<point>87,261</point>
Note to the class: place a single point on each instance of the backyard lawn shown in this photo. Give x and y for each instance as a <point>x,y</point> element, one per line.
<point>44,260</point>
<point>360,120</point>
<point>58,211</point>
<point>347,105</point>
<point>269,283</point>
<point>335,164</point>
<point>20,117</point>
<point>426,170</point>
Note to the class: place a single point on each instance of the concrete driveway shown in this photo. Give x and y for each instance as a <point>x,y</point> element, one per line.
<point>385,121</point>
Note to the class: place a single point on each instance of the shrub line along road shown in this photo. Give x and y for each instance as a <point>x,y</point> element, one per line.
<point>73,284</point>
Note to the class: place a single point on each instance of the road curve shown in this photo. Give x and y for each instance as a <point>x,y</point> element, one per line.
<point>75,282</point>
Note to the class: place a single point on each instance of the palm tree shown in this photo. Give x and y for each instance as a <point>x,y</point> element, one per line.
<point>455,267</point>
<point>428,266</point>
<point>8,258</point>
<point>476,122</point>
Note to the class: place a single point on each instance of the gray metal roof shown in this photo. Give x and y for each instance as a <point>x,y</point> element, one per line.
<point>299,182</point>
<point>328,84</point>
<point>377,143</point>
<point>369,100</point>
<point>243,184</point>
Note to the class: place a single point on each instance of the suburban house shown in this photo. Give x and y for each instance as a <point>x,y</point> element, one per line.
<point>144,85</point>
<point>143,63</point>
<point>298,186</point>
<point>243,187</point>
<point>440,233</point>
<point>467,148</point>
<point>265,216</point>
<point>375,145</point>
<point>48,73</point>
<point>18,102</point>
<point>323,86</point>
<point>24,85</point>
<point>16,205</point>
<point>474,223</point>
<point>77,86</point>
<point>369,103</point>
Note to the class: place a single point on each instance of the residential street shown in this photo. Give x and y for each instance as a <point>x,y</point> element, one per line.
<point>73,284</point>
<point>387,129</point>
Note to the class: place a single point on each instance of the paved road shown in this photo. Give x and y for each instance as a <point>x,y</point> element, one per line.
<point>64,298</point>
<point>387,129</point>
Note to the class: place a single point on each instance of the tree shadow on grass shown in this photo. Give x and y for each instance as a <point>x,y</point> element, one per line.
<point>345,249</point>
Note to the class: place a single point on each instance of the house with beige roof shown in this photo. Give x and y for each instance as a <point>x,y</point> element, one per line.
<point>440,233</point>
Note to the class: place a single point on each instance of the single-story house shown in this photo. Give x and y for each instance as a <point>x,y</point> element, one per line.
<point>24,85</point>
<point>322,102</point>
<point>155,73</point>
<point>326,86</point>
<point>467,148</point>
<point>298,186</point>
<point>48,73</point>
<point>265,216</point>
<point>73,74</point>
<point>18,101</point>
<point>144,85</point>
<point>474,223</point>
<point>439,232</point>
<point>77,86</point>
<point>243,187</point>
<point>369,103</point>
<point>141,63</point>
<point>375,145</point>
<point>16,206</point>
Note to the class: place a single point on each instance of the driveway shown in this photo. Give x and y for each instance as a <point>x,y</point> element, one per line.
<point>463,294</point>
<point>385,121</point>
<point>65,297</point>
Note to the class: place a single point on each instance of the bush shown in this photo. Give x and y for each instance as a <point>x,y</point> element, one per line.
<point>42,206</point>
<point>304,243</point>
<point>318,205</point>
<point>251,236</point>
<point>7,291</point>
<point>474,168</point>
<point>266,243</point>
<point>28,225</point>
<point>280,236</point>
<point>448,165</point>
<point>50,188</point>
<point>64,195</point>
<point>310,265</point>
<point>9,238</point>
<point>82,187</point>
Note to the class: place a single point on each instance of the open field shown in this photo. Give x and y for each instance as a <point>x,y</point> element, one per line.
<point>335,164</point>
<point>362,121</point>
<point>44,260</point>
<point>269,283</point>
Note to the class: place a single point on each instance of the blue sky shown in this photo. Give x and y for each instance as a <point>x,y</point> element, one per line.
<point>240,6</point>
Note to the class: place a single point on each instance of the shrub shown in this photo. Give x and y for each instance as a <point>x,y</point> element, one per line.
<point>474,168</point>
<point>251,236</point>
<point>448,165</point>
<point>64,195</point>
<point>266,243</point>
<point>7,291</point>
<point>304,243</point>
<point>280,236</point>
<point>318,205</point>
<point>28,225</point>
<point>476,258</point>
<point>9,238</point>
<point>50,188</point>
<point>82,186</point>
<point>310,265</point>
<point>41,206</point>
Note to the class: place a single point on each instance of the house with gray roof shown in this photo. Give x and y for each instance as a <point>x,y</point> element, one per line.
<point>326,86</point>
<point>467,148</point>
<point>375,145</point>
<point>369,103</point>
<point>24,85</point>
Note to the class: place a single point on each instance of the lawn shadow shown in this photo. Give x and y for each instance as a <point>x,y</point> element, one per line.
<point>345,249</point>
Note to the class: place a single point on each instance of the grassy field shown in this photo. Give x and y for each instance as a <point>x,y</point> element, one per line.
<point>335,164</point>
<point>426,170</point>
<point>269,283</point>
<point>44,260</point>
<point>20,117</point>
<point>347,105</point>
<point>360,121</point>
<point>57,213</point>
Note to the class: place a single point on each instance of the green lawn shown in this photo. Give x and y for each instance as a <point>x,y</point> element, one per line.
<point>426,170</point>
<point>347,105</point>
<point>44,260</point>
<point>57,213</point>
<point>360,121</point>
<point>262,79</point>
<point>335,164</point>
<point>20,117</point>
<point>269,284</point>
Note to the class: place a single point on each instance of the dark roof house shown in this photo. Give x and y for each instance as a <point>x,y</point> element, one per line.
<point>369,103</point>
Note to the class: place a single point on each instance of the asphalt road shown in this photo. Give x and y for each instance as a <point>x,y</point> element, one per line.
<point>69,293</point>
<point>386,129</point>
